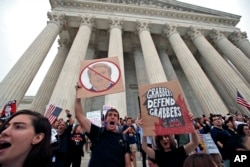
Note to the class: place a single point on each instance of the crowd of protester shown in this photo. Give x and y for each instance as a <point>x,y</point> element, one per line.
<point>118,142</point>
<point>228,132</point>
<point>27,139</point>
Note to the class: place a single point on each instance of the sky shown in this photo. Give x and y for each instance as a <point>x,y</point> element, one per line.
<point>21,21</point>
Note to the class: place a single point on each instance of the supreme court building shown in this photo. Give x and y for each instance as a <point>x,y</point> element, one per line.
<point>155,41</point>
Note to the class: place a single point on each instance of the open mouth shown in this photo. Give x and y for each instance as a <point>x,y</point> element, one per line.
<point>112,123</point>
<point>4,145</point>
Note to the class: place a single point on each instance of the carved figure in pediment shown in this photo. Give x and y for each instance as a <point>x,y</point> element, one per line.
<point>150,3</point>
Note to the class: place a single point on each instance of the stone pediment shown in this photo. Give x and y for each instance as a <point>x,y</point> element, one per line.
<point>154,8</point>
<point>172,5</point>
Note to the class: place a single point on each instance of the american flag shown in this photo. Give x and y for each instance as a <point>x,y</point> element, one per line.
<point>52,113</point>
<point>242,101</point>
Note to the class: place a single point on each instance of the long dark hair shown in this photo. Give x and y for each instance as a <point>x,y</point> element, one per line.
<point>40,153</point>
<point>240,130</point>
<point>74,130</point>
<point>172,142</point>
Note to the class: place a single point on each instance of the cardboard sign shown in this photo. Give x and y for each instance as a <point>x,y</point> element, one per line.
<point>207,144</point>
<point>100,77</point>
<point>163,109</point>
<point>95,117</point>
<point>105,108</point>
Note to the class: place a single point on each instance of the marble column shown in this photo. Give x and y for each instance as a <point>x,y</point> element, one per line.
<point>241,41</point>
<point>18,80</point>
<point>87,102</point>
<point>47,86</point>
<point>141,74</point>
<point>209,99</point>
<point>171,75</point>
<point>239,59</point>
<point>227,75</point>
<point>64,92</point>
<point>153,64</point>
<point>118,100</point>
<point>167,65</point>
<point>230,102</point>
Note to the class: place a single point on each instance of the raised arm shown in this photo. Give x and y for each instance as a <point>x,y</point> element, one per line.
<point>189,147</point>
<point>148,150</point>
<point>71,120</point>
<point>82,120</point>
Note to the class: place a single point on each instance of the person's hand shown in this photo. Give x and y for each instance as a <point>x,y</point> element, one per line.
<point>129,129</point>
<point>139,122</point>
<point>138,116</point>
<point>67,111</point>
<point>78,86</point>
<point>191,116</point>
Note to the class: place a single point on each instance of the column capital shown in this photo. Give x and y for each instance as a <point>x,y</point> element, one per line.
<point>88,21</point>
<point>216,35</point>
<point>142,26</point>
<point>58,19</point>
<point>169,30</point>
<point>63,43</point>
<point>116,23</point>
<point>193,33</point>
<point>238,36</point>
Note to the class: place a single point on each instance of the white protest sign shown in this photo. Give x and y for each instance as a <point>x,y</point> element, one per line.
<point>207,144</point>
<point>95,117</point>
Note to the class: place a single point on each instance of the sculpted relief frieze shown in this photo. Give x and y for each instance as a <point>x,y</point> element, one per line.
<point>143,3</point>
<point>149,8</point>
<point>149,3</point>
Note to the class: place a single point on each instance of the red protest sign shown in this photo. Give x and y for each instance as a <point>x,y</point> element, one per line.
<point>164,110</point>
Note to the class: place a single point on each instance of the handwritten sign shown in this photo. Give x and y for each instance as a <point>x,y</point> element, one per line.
<point>164,110</point>
<point>208,144</point>
<point>105,108</point>
<point>100,77</point>
<point>95,117</point>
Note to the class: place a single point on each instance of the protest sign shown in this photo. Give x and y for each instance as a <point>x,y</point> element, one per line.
<point>95,117</point>
<point>100,77</point>
<point>164,110</point>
